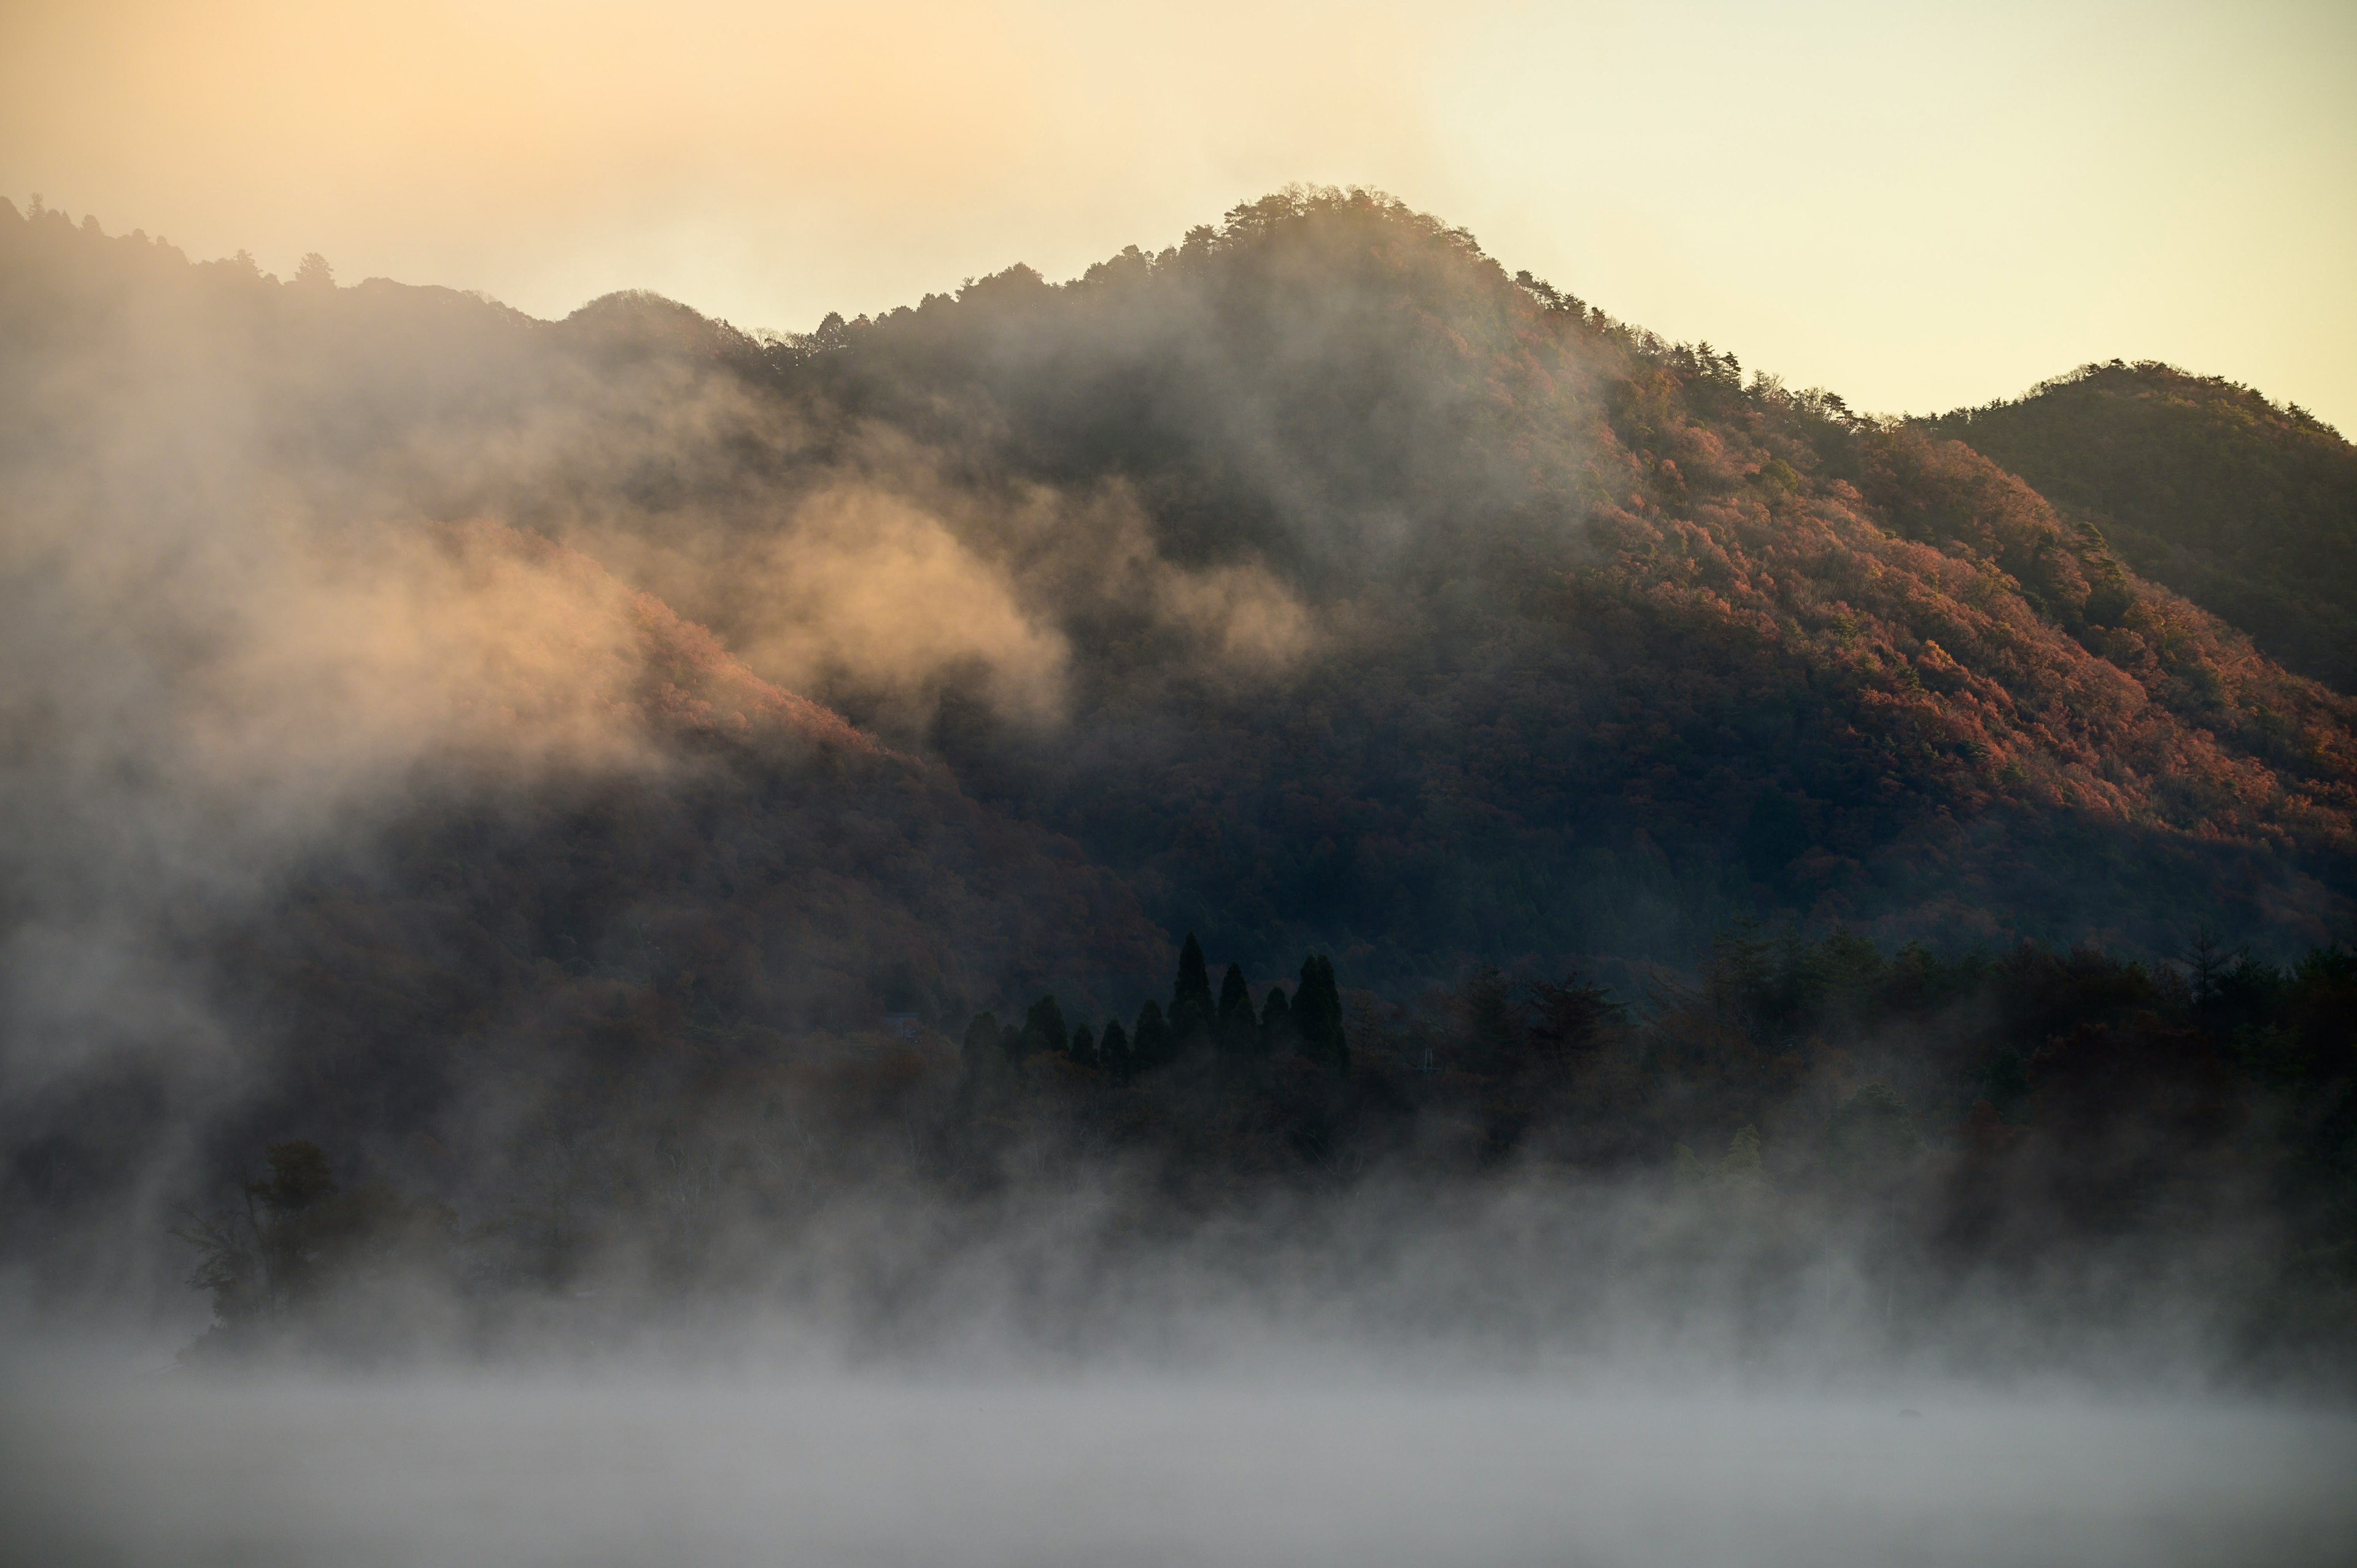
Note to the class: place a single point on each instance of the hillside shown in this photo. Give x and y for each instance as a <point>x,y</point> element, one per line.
<point>1325,586</point>
<point>505,751</point>
<point>2246,508</point>
<point>1551,636</point>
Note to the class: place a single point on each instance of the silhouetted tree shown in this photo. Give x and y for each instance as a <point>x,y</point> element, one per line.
<point>1151,1046</point>
<point>1239,1030</point>
<point>1114,1052</point>
<point>1570,1019</point>
<point>2207,961</point>
<point>299,1234</point>
<point>1082,1047</point>
<point>1192,1012</point>
<point>1043,1027</point>
<point>1317,1015</point>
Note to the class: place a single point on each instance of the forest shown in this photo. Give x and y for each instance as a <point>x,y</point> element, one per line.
<point>507,813</point>
<point>2062,1127</point>
<point>2201,484</point>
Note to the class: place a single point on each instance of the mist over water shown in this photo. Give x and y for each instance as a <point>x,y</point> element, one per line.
<point>1379,1464</point>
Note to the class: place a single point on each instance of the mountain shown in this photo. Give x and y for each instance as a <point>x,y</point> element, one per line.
<point>457,736</point>
<point>1594,644</point>
<point>1324,585</point>
<point>398,821</point>
<point>2247,508</point>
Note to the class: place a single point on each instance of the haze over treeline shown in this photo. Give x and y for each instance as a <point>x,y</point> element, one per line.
<point>501,809</point>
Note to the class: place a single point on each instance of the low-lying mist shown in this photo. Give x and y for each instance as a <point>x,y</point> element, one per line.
<point>1378,1461</point>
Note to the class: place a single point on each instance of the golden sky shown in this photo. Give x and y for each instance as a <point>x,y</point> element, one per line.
<point>1915,206</point>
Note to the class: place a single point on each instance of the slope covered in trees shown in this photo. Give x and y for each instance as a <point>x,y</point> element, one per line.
<point>2247,508</point>
<point>1335,590</point>
<point>532,758</point>
<point>1580,640</point>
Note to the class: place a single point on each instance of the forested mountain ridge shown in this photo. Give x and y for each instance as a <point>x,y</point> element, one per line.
<point>534,760</point>
<point>1331,588</point>
<point>1624,622</point>
<point>2246,507</point>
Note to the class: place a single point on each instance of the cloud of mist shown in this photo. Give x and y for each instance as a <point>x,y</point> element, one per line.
<point>237,640</point>
<point>197,730</point>
<point>1546,1367</point>
<point>870,585</point>
<point>630,1465</point>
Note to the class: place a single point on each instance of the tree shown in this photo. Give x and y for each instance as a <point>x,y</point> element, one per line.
<point>298,1178</point>
<point>1686,1168</point>
<point>1571,1019</point>
<point>1082,1047</point>
<point>2207,961</point>
<point>1238,1032</point>
<point>1043,1027</point>
<point>1114,1052</point>
<point>300,1237</point>
<point>1192,1013</point>
<point>1317,1015</point>
<point>313,272</point>
<point>1152,1046</point>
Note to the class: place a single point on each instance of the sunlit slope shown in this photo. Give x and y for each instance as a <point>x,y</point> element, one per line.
<point>2247,508</point>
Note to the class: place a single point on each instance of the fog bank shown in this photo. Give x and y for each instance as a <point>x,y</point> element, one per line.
<point>630,1467</point>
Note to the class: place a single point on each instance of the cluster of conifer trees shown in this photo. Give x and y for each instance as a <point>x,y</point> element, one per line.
<point>1307,1022</point>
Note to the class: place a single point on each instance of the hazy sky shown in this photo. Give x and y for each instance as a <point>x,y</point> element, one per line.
<point>1916,206</point>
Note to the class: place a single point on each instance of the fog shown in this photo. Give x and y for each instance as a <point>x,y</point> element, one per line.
<point>1385,1465</point>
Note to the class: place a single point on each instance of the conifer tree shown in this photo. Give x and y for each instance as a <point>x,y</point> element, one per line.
<point>1239,1034</point>
<point>1192,1016</point>
<point>1083,1048</point>
<point>1151,1046</point>
<point>1317,1015</point>
<point>1308,1010</point>
<point>1337,1052</point>
<point>1113,1053</point>
<point>1043,1027</point>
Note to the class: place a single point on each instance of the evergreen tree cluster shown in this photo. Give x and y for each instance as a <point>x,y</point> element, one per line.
<point>1306,1021</point>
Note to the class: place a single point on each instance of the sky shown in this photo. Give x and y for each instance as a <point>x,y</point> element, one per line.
<point>1916,206</point>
